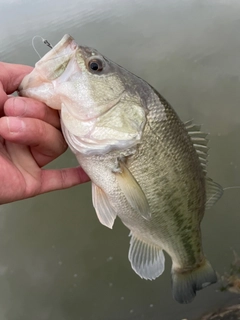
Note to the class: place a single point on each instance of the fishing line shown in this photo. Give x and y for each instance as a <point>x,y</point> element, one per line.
<point>227,188</point>
<point>45,41</point>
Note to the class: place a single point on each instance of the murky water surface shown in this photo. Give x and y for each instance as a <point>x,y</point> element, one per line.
<point>57,262</point>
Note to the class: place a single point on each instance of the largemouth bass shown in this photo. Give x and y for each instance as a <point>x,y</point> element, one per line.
<point>147,167</point>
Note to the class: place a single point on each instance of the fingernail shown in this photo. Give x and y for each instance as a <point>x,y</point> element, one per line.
<point>15,124</point>
<point>19,106</point>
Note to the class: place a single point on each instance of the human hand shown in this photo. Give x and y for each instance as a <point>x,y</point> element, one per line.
<point>30,138</point>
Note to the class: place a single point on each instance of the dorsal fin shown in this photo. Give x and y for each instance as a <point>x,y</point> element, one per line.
<point>190,126</point>
<point>213,192</point>
<point>199,140</point>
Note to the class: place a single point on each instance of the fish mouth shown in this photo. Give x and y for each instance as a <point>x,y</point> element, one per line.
<point>67,42</point>
<point>39,80</point>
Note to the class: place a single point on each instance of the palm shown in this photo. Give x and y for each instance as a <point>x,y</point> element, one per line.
<point>19,172</point>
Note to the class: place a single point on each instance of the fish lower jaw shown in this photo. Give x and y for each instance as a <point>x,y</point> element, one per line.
<point>93,147</point>
<point>89,149</point>
<point>43,92</point>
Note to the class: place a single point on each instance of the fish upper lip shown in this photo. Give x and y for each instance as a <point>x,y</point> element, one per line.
<point>67,41</point>
<point>20,89</point>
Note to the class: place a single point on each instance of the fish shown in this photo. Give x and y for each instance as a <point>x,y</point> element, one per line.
<point>146,166</point>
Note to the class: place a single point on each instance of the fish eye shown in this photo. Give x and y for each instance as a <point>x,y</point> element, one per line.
<point>95,65</point>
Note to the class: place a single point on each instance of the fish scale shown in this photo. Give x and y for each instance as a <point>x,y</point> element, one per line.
<point>174,200</point>
<point>146,166</point>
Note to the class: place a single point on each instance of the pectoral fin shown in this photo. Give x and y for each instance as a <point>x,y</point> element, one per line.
<point>147,260</point>
<point>104,210</point>
<point>132,191</point>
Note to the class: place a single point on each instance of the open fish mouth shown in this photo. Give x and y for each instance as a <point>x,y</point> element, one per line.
<point>50,67</point>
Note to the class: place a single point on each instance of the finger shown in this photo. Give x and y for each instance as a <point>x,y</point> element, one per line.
<point>61,179</point>
<point>30,108</point>
<point>46,142</point>
<point>11,75</point>
<point>3,98</point>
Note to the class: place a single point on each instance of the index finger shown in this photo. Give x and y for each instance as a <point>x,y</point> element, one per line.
<point>11,76</point>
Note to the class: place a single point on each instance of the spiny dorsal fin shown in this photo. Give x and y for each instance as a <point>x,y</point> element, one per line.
<point>213,192</point>
<point>103,208</point>
<point>132,191</point>
<point>147,260</point>
<point>199,141</point>
<point>190,126</point>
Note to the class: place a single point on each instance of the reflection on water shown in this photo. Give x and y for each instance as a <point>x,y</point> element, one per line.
<point>57,261</point>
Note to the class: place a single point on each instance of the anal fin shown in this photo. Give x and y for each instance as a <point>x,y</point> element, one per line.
<point>103,208</point>
<point>147,260</point>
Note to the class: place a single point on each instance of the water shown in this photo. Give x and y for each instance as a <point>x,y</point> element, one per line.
<point>57,261</point>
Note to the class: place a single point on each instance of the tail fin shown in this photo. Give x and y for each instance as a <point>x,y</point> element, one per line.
<point>185,284</point>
